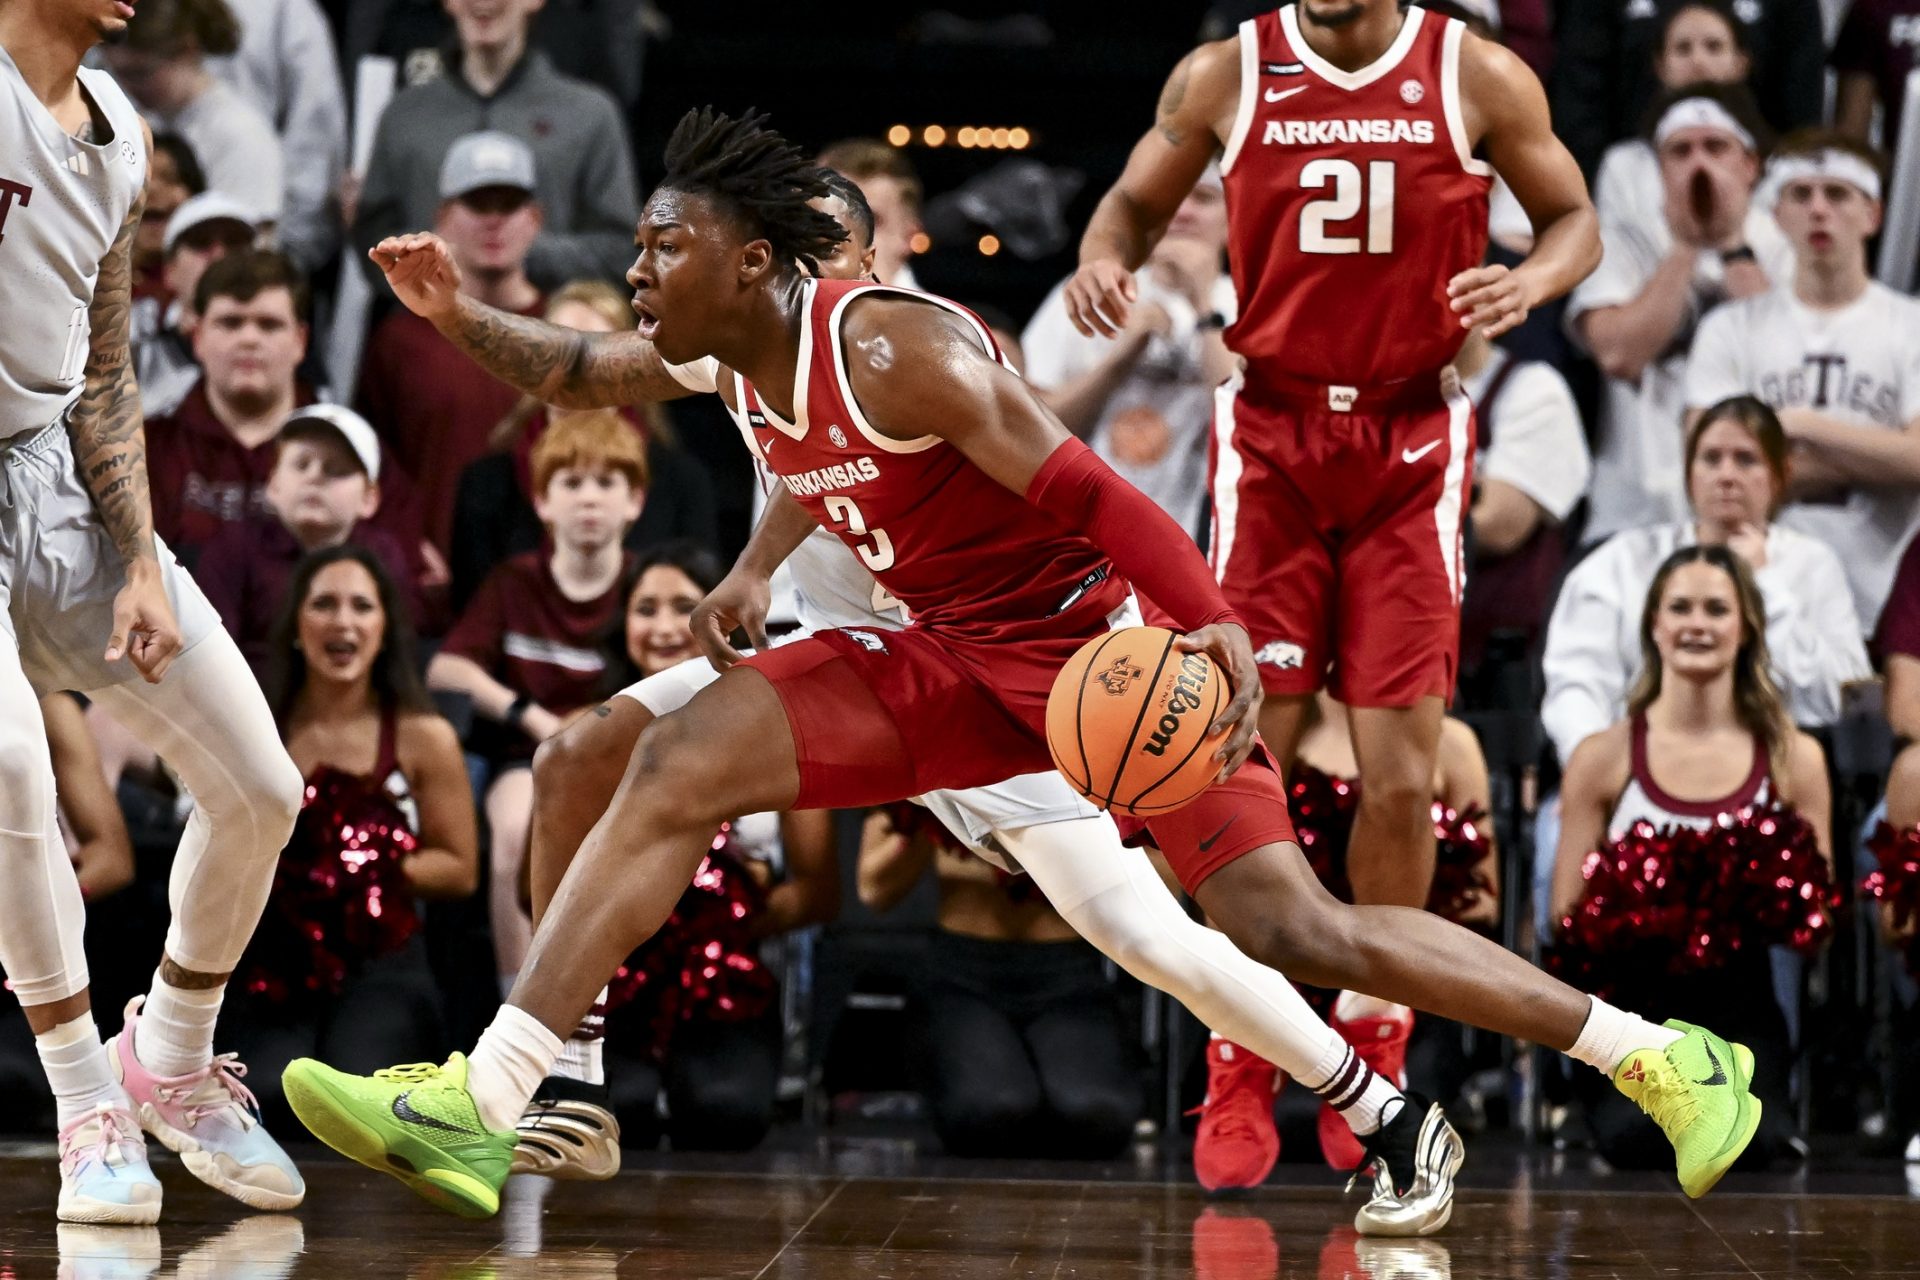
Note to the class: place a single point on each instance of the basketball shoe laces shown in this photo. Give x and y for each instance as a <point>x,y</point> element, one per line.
<point>225,1070</point>
<point>1664,1095</point>
<point>106,1145</point>
<point>1234,1111</point>
<point>411,1073</point>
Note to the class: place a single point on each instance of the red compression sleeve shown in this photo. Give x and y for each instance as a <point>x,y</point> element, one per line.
<point>1145,543</point>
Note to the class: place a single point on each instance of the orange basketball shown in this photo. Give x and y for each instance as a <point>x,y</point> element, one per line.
<point>1127,721</point>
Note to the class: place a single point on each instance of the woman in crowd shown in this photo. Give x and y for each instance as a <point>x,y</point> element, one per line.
<point>493,511</point>
<point>1736,466</point>
<point>1706,737</point>
<point>338,970</point>
<point>711,1053</point>
<point>1022,1049</point>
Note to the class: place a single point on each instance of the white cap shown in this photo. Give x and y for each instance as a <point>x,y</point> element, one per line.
<point>343,422</point>
<point>208,206</point>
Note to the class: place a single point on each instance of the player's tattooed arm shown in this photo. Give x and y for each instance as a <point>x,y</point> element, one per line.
<point>562,366</point>
<point>1195,113</point>
<point>105,423</point>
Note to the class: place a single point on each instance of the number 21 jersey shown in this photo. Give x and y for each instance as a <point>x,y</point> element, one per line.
<point>1352,198</point>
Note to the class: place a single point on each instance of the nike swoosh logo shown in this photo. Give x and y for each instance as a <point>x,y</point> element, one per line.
<point>1719,1075</point>
<point>403,1111</point>
<point>1214,839</point>
<point>1277,95</point>
<point>1414,455</point>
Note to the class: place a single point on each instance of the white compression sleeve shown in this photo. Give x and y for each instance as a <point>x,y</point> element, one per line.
<point>42,918</point>
<point>1113,898</point>
<point>209,721</point>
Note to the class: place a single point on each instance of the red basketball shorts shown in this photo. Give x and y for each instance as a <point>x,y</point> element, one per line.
<point>1337,536</point>
<point>879,716</point>
<point>1228,819</point>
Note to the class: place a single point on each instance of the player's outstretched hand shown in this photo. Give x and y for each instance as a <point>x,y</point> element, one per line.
<point>739,603</point>
<point>421,271</point>
<point>1227,644</point>
<point>145,631</point>
<point>1492,299</point>
<point>1099,297</point>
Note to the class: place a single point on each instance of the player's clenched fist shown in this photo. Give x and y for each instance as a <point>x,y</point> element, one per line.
<point>421,271</point>
<point>1099,297</point>
<point>1492,299</point>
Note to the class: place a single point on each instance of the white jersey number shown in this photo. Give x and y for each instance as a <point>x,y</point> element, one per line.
<point>1350,191</point>
<point>877,556</point>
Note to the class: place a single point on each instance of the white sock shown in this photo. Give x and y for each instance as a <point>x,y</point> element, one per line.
<point>1611,1034</point>
<point>175,1032</point>
<point>1364,1098</point>
<point>514,1055</point>
<point>584,1056</point>
<point>1355,1006</point>
<point>77,1067</point>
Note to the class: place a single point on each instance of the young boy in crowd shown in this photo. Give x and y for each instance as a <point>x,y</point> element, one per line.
<point>324,487</point>
<point>528,648</point>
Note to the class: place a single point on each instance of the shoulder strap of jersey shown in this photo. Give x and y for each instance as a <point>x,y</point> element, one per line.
<point>1453,33</point>
<point>831,299</point>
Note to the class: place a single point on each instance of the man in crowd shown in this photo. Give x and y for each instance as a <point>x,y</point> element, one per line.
<point>494,81</point>
<point>203,229</point>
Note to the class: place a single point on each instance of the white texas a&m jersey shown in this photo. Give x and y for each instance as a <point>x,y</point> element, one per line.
<point>62,203</point>
<point>1859,364</point>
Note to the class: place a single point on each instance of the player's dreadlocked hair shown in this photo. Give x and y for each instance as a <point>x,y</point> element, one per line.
<point>758,175</point>
<point>855,199</point>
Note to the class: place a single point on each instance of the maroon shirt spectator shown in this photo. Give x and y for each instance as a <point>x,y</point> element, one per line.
<point>1878,45</point>
<point>435,407</point>
<point>1899,631</point>
<point>523,631</point>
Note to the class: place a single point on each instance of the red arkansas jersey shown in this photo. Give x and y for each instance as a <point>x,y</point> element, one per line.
<point>962,551</point>
<point>1352,198</point>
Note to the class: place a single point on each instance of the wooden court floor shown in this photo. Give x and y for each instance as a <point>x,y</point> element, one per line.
<point>868,1216</point>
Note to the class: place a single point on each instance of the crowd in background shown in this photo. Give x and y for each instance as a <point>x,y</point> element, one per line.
<point>433,574</point>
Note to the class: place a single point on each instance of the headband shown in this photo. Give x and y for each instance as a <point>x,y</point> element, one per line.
<point>1701,113</point>
<point>1841,166</point>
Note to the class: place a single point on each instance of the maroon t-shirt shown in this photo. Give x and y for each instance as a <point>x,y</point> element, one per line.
<point>1900,621</point>
<point>1881,38</point>
<point>246,568</point>
<point>204,480</point>
<point>435,408</point>
<point>526,634</point>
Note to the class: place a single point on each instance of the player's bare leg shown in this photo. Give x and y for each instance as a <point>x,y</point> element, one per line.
<point>1283,721</point>
<point>1390,856</point>
<point>448,1132</point>
<point>569,1130</point>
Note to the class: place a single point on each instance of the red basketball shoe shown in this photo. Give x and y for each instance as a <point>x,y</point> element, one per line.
<point>1381,1043</point>
<point>1237,1143</point>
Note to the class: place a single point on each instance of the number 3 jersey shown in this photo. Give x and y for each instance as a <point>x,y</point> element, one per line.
<point>1352,198</point>
<point>960,550</point>
<point>62,203</point>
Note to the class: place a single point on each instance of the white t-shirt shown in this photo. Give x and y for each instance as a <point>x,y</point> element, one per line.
<point>1637,471</point>
<point>236,146</point>
<point>1859,364</point>
<point>1166,396</point>
<point>1536,444</point>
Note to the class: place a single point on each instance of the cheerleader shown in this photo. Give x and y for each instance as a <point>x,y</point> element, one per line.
<point>338,969</point>
<point>1705,738</point>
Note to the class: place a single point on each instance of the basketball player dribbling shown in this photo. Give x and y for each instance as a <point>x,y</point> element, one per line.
<point>890,420</point>
<point>94,602</point>
<point>1358,142</point>
<point>1036,823</point>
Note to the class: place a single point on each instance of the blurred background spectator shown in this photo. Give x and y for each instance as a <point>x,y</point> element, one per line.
<point>203,228</point>
<point>494,82</point>
<point>1877,49</point>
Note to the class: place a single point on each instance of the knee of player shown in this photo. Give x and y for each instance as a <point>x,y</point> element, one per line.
<point>26,780</point>
<point>1402,792</point>
<point>671,772</point>
<point>1304,945</point>
<point>272,790</point>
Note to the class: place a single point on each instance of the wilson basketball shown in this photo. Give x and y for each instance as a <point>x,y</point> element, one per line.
<point>1127,721</point>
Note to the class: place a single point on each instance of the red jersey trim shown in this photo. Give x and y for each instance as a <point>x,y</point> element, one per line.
<point>1450,99</point>
<point>1249,94</point>
<point>852,402</point>
<point>802,379</point>
<point>1741,797</point>
<point>1350,80</point>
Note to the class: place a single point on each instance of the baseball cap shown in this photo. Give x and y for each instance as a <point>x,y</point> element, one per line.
<point>208,206</point>
<point>486,159</point>
<point>337,420</point>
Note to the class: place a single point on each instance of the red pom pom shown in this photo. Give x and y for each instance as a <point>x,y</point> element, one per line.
<point>1676,900</point>
<point>704,962</point>
<point>1897,879</point>
<point>1323,809</point>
